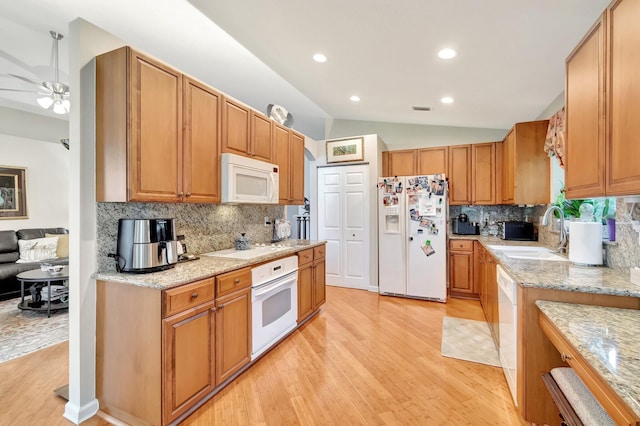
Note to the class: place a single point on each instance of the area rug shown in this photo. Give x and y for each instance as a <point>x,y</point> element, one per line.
<point>468,340</point>
<point>23,332</point>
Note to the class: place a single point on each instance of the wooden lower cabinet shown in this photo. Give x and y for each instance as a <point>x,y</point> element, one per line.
<point>189,351</point>
<point>233,333</point>
<point>311,281</point>
<point>461,262</point>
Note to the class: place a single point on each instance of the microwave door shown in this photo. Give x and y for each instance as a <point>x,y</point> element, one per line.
<point>251,185</point>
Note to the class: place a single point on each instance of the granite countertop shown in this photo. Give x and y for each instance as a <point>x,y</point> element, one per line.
<point>607,338</point>
<point>204,267</point>
<point>558,275</point>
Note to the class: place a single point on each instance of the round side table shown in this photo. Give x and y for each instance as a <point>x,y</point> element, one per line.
<point>46,278</point>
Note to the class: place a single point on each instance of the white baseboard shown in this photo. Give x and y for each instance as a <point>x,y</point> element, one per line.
<point>77,415</point>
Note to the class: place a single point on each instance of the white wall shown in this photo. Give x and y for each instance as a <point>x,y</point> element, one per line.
<point>405,136</point>
<point>85,42</point>
<point>32,126</point>
<point>47,179</point>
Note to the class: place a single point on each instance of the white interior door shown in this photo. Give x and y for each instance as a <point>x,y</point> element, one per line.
<point>343,218</point>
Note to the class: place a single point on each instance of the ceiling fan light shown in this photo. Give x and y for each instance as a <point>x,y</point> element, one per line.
<point>67,105</point>
<point>59,108</point>
<point>45,102</point>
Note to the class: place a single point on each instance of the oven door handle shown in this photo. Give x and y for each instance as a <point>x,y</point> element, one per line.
<point>269,287</point>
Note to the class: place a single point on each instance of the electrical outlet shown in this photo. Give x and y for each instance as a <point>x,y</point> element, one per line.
<point>267,221</point>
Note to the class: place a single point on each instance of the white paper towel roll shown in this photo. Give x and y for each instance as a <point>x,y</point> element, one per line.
<point>585,243</point>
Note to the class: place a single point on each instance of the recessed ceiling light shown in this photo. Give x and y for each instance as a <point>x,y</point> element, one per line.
<point>319,57</point>
<point>447,100</point>
<point>447,53</point>
<point>355,98</point>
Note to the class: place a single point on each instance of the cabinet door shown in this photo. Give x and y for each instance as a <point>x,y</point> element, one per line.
<point>584,117</point>
<point>508,160</point>
<point>492,297</point>
<point>155,144</point>
<point>433,160</point>
<point>461,272</point>
<point>385,164</point>
<point>188,354</point>
<point>296,148</point>
<point>282,159</point>
<point>319,284</point>
<point>483,173</point>
<point>201,171</point>
<point>261,138</point>
<point>305,291</point>
<point>402,163</point>
<point>236,127</point>
<point>623,99</point>
<point>459,174</point>
<point>233,333</point>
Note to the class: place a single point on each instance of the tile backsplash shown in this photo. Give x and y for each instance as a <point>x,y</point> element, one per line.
<point>206,227</point>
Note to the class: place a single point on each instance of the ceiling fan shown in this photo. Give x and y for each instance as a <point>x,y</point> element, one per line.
<point>53,94</point>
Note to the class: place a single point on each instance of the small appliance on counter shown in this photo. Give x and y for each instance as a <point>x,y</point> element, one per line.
<point>462,226</point>
<point>281,230</point>
<point>146,245</point>
<point>518,231</point>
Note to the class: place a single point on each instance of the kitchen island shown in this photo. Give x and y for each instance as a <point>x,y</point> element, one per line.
<point>602,346</point>
<point>552,281</point>
<point>167,341</point>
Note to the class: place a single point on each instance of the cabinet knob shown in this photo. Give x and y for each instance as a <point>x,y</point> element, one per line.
<point>180,194</point>
<point>237,281</point>
<point>565,357</point>
<point>188,194</point>
<point>220,306</point>
<point>194,295</point>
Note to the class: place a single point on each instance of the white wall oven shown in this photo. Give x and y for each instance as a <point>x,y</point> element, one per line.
<point>274,297</point>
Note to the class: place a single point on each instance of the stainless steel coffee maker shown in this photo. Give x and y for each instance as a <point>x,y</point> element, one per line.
<point>146,245</point>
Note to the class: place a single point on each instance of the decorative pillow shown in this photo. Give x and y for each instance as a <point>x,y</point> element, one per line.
<point>63,244</point>
<point>37,249</point>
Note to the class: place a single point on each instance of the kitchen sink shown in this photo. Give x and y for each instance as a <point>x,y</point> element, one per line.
<point>245,254</point>
<point>529,253</point>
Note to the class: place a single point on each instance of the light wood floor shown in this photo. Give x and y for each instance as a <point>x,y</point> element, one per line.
<point>366,359</point>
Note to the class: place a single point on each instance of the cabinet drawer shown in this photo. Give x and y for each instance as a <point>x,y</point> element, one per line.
<point>462,245</point>
<point>187,296</point>
<point>318,252</point>
<point>305,256</point>
<point>232,281</point>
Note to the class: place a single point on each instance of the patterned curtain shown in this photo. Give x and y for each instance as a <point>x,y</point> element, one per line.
<point>554,144</point>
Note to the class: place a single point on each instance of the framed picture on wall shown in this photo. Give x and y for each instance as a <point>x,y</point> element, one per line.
<point>343,150</point>
<point>13,192</point>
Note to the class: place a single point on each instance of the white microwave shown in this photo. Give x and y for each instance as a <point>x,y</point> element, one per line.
<point>248,181</point>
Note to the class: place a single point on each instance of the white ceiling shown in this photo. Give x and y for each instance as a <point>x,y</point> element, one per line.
<point>509,68</point>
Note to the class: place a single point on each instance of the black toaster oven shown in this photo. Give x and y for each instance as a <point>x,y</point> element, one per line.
<point>519,231</point>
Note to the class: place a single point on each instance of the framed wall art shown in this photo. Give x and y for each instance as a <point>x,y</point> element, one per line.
<point>343,150</point>
<point>13,192</point>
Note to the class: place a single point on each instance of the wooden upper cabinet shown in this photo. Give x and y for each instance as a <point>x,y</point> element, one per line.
<point>623,98</point>
<point>525,165</point>
<point>296,147</point>
<point>432,161</point>
<point>584,117</point>
<point>283,160</point>
<point>201,171</point>
<point>261,147</point>
<point>508,163</point>
<point>401,163</point>
<point>483,173</point>
<point>246,132</point>
<point>236,128</point>
<point>459,174</point>
<point>138,128</point>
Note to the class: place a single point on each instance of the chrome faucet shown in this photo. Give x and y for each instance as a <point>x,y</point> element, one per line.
<point>562,248</point>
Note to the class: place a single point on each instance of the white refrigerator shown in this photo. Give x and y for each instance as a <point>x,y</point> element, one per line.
<point>412,236</point>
